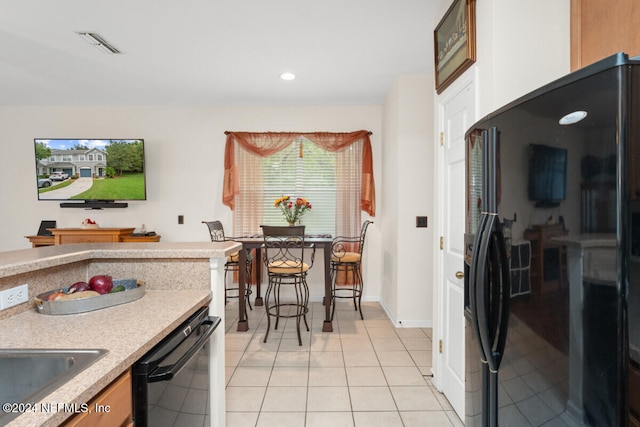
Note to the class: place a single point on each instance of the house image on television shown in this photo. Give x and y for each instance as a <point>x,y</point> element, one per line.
<point>89,163</point>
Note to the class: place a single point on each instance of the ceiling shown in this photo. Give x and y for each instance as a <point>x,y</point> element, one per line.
<point>211,52</point>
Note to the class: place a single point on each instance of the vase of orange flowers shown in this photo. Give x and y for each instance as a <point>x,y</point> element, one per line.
<point>292,209</point>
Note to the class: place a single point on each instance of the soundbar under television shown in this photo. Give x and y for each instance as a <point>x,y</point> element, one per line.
<point>90,173</point>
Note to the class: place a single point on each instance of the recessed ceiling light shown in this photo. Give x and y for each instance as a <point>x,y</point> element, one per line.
<point>287,76</point>
<point>98,42</point>
<point>573,118</point>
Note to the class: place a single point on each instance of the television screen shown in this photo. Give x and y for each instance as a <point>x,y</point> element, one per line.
<point>547,174</point>
<point>90,169</point>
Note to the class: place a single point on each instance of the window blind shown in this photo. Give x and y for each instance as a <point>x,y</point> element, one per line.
<point>330,181</point>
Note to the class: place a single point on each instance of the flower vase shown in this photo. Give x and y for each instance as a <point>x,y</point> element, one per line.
<point>292,223</point>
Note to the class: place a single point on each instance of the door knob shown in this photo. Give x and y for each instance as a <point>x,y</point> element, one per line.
<point>459,275</point>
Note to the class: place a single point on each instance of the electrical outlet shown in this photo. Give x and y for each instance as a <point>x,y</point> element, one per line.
<point>14,296</point>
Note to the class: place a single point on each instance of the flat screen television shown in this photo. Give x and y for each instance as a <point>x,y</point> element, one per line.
<point>547,175</point>
<point>95,172</point>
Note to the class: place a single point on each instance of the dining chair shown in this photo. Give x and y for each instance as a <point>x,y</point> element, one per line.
<point>287,260</point>
<point>216,231</point>
<point>346,268</point>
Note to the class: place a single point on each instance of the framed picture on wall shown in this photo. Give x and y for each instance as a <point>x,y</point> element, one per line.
<point>455,42</point>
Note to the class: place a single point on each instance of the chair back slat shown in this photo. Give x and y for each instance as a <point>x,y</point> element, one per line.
<point>363,233</point>
<point>283,230</point>
<point>343,244</point>
<point>284,247</point>
<point>216,230</point>
<point>346,268</point>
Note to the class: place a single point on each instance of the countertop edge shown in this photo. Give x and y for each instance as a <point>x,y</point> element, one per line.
<point>27,260</point>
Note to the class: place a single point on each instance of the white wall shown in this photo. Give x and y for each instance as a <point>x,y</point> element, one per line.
<point>388,214</point>
<point>520,45</point>
<point>407,172</point>
<point>184,148</point>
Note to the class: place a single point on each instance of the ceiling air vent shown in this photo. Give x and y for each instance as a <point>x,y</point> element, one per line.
<point>98,42</point>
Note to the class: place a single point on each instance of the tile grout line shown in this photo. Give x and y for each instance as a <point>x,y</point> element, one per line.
<point>344,363</point>
<point>308,344</point>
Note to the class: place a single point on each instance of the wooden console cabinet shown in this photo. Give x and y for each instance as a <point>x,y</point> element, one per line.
<point>63,236</point>
<point>37,241</point>
<point>89,235</point>
<point>541,243</point>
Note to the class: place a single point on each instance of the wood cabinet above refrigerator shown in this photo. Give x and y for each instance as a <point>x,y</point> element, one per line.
<point>600,28</point>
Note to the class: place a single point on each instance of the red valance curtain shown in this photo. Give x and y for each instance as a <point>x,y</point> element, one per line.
<point>267,143</point>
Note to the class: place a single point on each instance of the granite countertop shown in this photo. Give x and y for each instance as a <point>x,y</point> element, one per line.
<point>127,331</point>
<point>26,260</point>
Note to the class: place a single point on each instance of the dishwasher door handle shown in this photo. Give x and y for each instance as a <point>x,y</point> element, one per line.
<point>166,373</point>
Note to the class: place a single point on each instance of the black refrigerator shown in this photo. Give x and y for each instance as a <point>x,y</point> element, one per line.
<point>552,254</point>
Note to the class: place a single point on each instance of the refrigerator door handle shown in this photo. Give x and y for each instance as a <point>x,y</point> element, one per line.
<point>493,292</point>
<point>477,281</point>
<point>493,315</point>
<point>505,295</point>
<point>481,292</point>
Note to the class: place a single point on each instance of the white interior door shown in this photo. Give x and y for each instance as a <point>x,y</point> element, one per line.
<point>456,115</point>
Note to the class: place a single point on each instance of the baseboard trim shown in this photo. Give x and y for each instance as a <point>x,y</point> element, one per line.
<point>398,323</point>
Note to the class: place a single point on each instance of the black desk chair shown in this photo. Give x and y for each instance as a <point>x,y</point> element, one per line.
<point>287,261</point>
<point>216,230</point>
<point>45,225</point>
<point>346,268</point>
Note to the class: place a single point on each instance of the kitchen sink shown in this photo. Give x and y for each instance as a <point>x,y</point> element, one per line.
<point>28,375</point>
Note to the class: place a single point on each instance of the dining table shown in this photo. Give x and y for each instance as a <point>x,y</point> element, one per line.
<point>255,242</point>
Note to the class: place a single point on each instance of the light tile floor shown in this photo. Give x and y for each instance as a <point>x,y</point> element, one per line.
<point>365,373</point>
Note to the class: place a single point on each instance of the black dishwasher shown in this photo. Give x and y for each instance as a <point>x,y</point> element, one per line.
<point>171,382</point>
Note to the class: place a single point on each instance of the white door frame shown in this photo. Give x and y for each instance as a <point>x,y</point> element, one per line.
<point>468,78</point>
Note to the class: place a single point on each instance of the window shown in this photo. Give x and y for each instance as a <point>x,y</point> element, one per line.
<point>326,169</point>
<point>301,170</point>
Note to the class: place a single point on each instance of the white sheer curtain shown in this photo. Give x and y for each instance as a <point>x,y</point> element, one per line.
<point>249,199</point>
<point>249,212</point>
<point>348,190</point>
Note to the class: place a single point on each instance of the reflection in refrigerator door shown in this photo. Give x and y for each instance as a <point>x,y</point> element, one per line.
<point>573,283</point>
